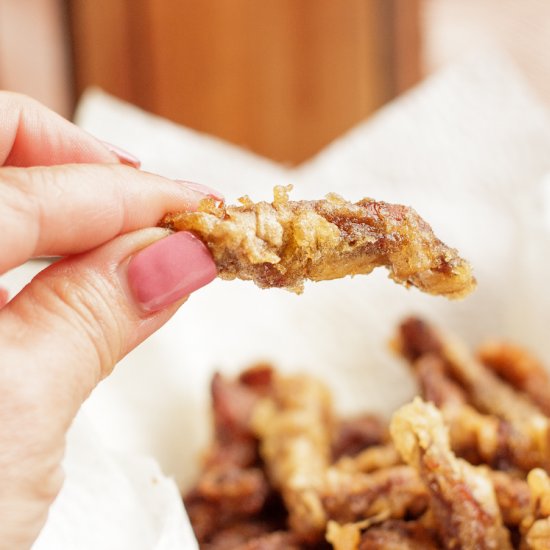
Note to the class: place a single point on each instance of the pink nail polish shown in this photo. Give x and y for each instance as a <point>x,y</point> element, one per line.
<point>123,156</point>
<point>203,189</point>
<point>170,269</point>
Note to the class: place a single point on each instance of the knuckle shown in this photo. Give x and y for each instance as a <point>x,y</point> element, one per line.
<point>18,209</point>
<point>16,190</point>
<point>22,205</point>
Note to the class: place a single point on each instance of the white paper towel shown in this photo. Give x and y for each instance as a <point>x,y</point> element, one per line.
<point>469,148</point>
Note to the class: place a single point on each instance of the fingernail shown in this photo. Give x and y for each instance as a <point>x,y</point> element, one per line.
<point>169,270</point>
<point>123,156</point>
<point>203,189</point>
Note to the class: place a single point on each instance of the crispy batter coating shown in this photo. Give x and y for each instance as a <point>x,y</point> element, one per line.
<point>462,498</point>
<point>232,487</point>
<point>398,535</point>
<point>252,535</point>
<point>285,473</point>
<point>512,494</point>
<point>477,437</point>
<point>524,429</point>
<point>353,435</point>
<point>486,390</point>
<point>374,458</point>
<point>536,526</point>
<point>396,491</point>
<point>346,536</point>
<point>283,243</point>
<point>520,368</point>
<point>294,429</point>
<point>388,535</point>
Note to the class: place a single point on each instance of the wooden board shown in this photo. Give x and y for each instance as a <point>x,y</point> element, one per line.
<point>280,77</point>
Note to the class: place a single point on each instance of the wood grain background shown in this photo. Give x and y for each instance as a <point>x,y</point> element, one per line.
<point>280,77</point>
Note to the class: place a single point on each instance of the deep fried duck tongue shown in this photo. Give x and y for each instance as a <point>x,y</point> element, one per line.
<point>536,526</point>
<point>462,497</point>
<point>283,243</point>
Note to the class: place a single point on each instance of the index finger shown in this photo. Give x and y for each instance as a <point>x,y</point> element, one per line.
<point>32,135</point>
<point>63,210</point>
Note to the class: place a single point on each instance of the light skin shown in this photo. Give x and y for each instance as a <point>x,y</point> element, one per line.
<point>64,193</point>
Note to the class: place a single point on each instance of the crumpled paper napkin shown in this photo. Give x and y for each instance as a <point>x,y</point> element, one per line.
<point>469,149</point>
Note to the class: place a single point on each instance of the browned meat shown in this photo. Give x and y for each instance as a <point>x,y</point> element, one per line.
<point>462,497</point>
<point>520,368</point>
<point>398,535</point>
<point>352,435</point>
<point>396,492</point>
<point>283,243</point>
<point>536,526</point>
<point>523,430</point>
<point>294,429</point>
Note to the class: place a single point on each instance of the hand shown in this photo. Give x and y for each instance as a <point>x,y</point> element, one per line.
<point>64,193</point>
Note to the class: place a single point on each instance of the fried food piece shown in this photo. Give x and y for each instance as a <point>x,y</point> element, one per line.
<point>353,435</point>
<point>520,368</point>
<point>232,487</point>
<point>526,428</point>
<point>374,458</point>
<point>294,429</point>
<point>462,498</point>
<point>476,437</point>
<point>223,495</point>
<point>234,442</point>
<point>536,526</point>
<point>396,491</point>
<point>512,495</point>
<point>388,535</point>
<point>473,436</point>
<point>275,540</point>
<point>346,536</point>
<point>398,535</point>
<point>486,390</point>
<point>280,244</point>
<point>435,384</point>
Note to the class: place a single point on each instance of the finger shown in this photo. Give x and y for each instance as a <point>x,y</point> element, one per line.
<point>32,135</point>
<point>64,210</point>
<point>4,297</point>
<point>65,331</point>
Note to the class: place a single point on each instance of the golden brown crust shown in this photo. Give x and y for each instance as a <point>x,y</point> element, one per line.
<point>536,526</point>
<point>395,492</point>
<point>293,426</point>
<point>462,497</point>
<point>520,368</point>
<point>398,535</point>
<point>368,498</point>
<point>515,428</point>
<point>512,495</point>
<point>283,243</point>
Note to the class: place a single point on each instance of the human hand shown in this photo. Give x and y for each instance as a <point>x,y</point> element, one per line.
<point>64,193</point>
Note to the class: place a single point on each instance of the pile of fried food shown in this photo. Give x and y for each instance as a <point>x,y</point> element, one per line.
<point>463,466</point>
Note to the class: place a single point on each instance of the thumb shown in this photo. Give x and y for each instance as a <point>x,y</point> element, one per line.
<point>63,333</point>
<point>80,316</point>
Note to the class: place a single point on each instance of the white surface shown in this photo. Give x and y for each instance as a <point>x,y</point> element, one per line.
<point>114,501</point>
<point>469,149</point>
